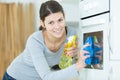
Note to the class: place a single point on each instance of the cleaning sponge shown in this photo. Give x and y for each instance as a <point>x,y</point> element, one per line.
<point>92,49</point>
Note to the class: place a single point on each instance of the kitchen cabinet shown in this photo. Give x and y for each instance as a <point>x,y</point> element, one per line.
<point>114,29</point>
<point>106,19</point>
<point>114,70</point>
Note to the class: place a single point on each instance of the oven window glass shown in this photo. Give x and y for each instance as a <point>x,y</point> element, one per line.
<point>95,39</point>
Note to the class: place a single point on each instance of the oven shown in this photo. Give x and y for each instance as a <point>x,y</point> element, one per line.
<point>94,22</point>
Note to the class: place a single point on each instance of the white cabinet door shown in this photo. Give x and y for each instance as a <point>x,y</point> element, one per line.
<point>115,29</point>
<point>91,25</point>
<point>114,70</point>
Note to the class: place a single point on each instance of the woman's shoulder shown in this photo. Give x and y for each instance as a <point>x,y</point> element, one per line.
<point>37,35</point>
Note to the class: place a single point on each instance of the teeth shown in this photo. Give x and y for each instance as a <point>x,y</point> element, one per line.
<point>57,30</point>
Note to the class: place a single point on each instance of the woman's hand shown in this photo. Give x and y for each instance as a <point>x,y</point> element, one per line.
<point>81,60</point>
<point>72,51</point>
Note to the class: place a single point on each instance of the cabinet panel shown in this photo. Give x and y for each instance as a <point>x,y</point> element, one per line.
<point>96,74</point>
<point>92,7</point>
<point>115,31</point>
<point>114,70</point>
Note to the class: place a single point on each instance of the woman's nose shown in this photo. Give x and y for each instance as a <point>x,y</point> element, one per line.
<point>57,25</point>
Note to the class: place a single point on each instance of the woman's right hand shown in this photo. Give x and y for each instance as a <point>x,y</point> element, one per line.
<point>81,59</point>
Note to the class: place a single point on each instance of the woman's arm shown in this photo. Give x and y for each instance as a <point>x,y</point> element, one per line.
<point>36,48</point>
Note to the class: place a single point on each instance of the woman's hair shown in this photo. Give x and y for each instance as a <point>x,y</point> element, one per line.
<point>49,7</point>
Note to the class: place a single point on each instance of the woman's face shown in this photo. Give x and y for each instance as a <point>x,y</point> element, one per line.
<point>55,24</point>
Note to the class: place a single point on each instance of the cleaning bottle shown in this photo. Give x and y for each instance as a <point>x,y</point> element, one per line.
<point>66,60</point>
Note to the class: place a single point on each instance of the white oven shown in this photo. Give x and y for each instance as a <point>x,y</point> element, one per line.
<point>89,8</point>
<point>94,21</point>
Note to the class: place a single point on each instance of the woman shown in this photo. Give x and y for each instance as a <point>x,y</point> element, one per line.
<point>44,48</point>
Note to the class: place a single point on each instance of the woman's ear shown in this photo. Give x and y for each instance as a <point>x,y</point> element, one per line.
<point>42,23</point>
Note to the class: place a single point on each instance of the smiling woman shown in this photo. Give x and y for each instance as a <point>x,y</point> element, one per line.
<point>44,48</point>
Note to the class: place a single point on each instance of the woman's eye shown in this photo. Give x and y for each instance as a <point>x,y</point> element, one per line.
<point>51,22</point>
<point>60,20</point>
